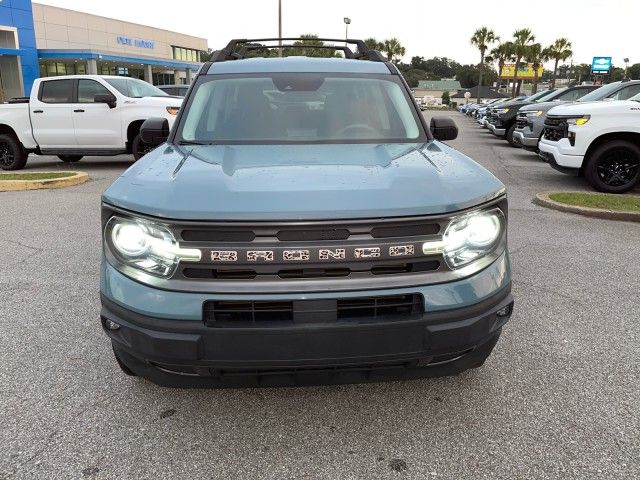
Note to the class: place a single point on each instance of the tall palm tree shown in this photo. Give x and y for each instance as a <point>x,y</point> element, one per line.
<point>559,50</point>
<point>481,39</point>
<point>502,54</point>
<point>374,44</point>
<point>522,40</point>
<point>536,56</point>
<point>393,48</point>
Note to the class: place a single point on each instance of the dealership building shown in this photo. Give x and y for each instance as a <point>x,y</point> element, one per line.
<point>42,41</point>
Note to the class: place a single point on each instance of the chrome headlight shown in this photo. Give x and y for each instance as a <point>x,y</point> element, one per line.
<point>146,246</point>
<point>581,120</point>
<point>501,111</point>
<point>535,113</point>
<point>472,236</point>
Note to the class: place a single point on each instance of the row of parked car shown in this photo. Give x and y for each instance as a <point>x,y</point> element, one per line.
<point>582,130</point>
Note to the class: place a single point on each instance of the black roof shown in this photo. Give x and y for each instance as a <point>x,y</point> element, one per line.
<point>485,92</point>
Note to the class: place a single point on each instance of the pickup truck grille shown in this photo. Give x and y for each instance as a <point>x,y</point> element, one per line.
<point>314,250</point>
<point>521,121</point>
<point>555,128</point>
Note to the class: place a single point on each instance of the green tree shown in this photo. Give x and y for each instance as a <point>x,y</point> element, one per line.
<point>502,54</point>
<point>468,75</point>
<point>522,40</point>
<point>393,49</point>
<point>374,44</point>
<point>441,67</point>
<point>634,71</point>
<point>310,51</point>
<point>445,98</point>
<point>481,39</point>
<point>536,56</point>
<point>559,50</point>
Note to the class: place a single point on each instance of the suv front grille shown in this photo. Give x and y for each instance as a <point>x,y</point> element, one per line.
<point>313,250</point>
<point>225,313</point>
<point>555,128</point>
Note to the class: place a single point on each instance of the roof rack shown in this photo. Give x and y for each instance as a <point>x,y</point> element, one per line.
<point>231,51</point>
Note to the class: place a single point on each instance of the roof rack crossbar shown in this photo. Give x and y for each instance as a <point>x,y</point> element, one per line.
<point>347,51</point>
<point>363,52</point>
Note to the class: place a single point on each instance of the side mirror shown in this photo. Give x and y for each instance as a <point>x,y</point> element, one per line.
<point>108,98</point>
<point>443,128</point>
<point>154,131</point>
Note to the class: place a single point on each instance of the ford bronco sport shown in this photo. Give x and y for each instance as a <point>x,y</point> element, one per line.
<point>301,223</point>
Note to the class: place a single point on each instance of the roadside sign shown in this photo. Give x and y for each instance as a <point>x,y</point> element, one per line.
<point>525,71</point>
<point>601,65</point>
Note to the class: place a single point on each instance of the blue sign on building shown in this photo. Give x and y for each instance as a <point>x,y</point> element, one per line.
<point>18,14</point>
<point>601,65</point>
<point>122,40</point>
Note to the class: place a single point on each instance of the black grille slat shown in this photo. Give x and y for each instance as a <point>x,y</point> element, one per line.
<point>310,235</point>
<point>208,235</point>
<point>265,312</point>
<point>555,129</point>
<point>395,231</point>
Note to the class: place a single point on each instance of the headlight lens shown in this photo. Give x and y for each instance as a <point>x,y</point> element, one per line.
<point>146,246</point>
<point>536,113</point>
<point>578,120</point>
<point>173,110</point>
<point>500,111</point>
<point>472,236</point>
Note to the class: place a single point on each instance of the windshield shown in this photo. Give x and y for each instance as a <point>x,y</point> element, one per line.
<point>134,88</point>
<point>600,93</point>
<point>540,95</point>
<point>636,98</point>
<point>299,108</point>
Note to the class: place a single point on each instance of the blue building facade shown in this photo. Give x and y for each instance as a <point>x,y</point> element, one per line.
<point>23,54</point>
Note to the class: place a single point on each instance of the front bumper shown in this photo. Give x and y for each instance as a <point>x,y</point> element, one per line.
<point>497,129</point>
<point>172,351</point>
<point>564,163</point>
<point>527,142</point>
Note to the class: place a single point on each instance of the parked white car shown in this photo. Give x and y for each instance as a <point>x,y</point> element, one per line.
<point>74,116</point>
<point>600,140</point>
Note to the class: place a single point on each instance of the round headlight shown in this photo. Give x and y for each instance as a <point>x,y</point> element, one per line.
<point>482,230</point>
<point>130,239</point>
<point>469,237</point>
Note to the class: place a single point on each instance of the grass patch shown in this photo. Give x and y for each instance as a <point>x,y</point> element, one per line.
<point>35,175</point>
<point>619,203</point>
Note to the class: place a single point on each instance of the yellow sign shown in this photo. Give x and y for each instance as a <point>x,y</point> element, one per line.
<point>525,72</point>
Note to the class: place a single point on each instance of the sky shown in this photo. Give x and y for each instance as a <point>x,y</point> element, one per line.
<point>426,28</point>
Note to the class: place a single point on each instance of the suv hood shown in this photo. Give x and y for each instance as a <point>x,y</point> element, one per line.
<point>544,106</point>
<point>589,108</point>
<point>296,182</point>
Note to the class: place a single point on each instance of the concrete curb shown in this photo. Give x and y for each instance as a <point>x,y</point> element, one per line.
<point>543,200</point>
<point>19,185</point>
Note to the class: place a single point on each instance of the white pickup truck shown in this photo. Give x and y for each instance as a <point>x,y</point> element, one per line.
<point>600,140</point>
<point>73,116</point>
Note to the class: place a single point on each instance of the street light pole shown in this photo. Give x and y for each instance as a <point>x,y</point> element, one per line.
<point>347,21</point>
<point>279,28</point>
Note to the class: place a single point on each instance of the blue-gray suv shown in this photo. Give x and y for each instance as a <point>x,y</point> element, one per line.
<point>301,223</point>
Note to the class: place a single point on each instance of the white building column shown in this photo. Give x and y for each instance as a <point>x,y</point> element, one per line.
<point>176,77</point>
<point>148,74</point>
<point>189,76</point>
<point>92,66</point>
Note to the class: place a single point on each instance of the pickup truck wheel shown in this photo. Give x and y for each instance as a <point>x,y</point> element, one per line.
<point>70,158</point>
<point>509,136</point>
<point>139,148</point>
<point>614,167</point>
<point>12,155</point>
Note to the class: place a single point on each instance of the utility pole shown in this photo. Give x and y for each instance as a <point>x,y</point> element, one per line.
<point>279,28</point>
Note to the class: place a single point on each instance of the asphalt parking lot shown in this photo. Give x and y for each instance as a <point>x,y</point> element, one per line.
<point>559,397</point>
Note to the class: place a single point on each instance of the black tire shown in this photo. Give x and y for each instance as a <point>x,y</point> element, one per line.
<point>614,167</point>
<point>509,136</point>
<point>139,148</point>
<point>70,158</point>
<point>12,155</point>
<point>127,371</point>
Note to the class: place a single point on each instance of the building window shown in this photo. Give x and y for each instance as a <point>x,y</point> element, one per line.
<point>186,54</point>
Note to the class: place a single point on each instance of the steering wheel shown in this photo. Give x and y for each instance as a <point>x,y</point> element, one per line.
<point>358,126</point>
